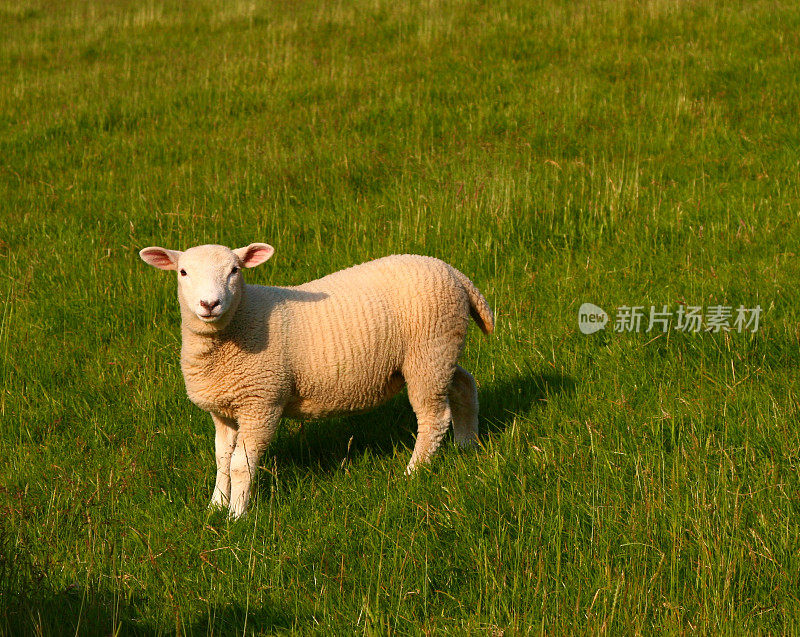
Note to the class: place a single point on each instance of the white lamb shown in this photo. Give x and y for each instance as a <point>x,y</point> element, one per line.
<point>346,342</point>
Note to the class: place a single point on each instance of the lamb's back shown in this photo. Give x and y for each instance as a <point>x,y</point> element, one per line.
<point>348,333</point>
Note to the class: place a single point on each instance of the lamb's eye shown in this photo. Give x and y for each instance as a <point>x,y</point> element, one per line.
<point>183,272</point>
<point>235,269</point>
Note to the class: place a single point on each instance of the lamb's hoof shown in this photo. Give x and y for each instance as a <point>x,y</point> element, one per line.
<point>237,510</point>
<point>218,502</point>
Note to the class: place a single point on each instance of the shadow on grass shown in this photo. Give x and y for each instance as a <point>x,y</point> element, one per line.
<point>30,605</point>
<point>328,444</point>
<point>91,612</point>
<point>505,401</point>
<point>236,618</point>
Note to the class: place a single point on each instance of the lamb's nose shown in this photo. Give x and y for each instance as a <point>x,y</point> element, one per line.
<point>209,305</point>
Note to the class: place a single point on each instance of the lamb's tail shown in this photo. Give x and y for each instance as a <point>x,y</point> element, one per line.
<point>479,309</point>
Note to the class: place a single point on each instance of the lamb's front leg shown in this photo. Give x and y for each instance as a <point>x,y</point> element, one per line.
<point>255,433</point>
<point>224,444</point>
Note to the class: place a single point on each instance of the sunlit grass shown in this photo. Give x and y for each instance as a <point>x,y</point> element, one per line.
<point>618,153</point>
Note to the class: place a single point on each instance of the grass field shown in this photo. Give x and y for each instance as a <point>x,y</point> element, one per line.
<point>619,153</point>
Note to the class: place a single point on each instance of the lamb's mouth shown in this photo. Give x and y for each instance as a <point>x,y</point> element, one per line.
<point>209,318</point>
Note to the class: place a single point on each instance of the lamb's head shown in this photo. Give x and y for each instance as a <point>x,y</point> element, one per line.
<point>210,280</point>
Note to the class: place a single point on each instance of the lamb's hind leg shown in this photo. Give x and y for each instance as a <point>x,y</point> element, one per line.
<point>463,396</point>
<point>432,409</point>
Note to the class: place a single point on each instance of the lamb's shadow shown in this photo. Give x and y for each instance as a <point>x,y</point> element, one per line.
<point>329,444</point>
<point>504,401</point>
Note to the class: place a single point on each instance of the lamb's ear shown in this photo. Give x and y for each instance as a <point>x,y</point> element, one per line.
<point>254,254</point>
<point>161,257</point>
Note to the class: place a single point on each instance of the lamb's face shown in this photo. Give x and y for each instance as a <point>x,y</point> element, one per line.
<point>209,276</point>
<point>209,281</point>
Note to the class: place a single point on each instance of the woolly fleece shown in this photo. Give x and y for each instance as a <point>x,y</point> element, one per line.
<point>343,343</point>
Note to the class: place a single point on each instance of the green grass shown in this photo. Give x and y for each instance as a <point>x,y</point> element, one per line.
<point>556,152</point>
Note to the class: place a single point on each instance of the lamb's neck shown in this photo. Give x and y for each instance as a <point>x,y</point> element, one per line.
<point>244,330</point>
<point>196,348</point>
<point>200,340</point>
